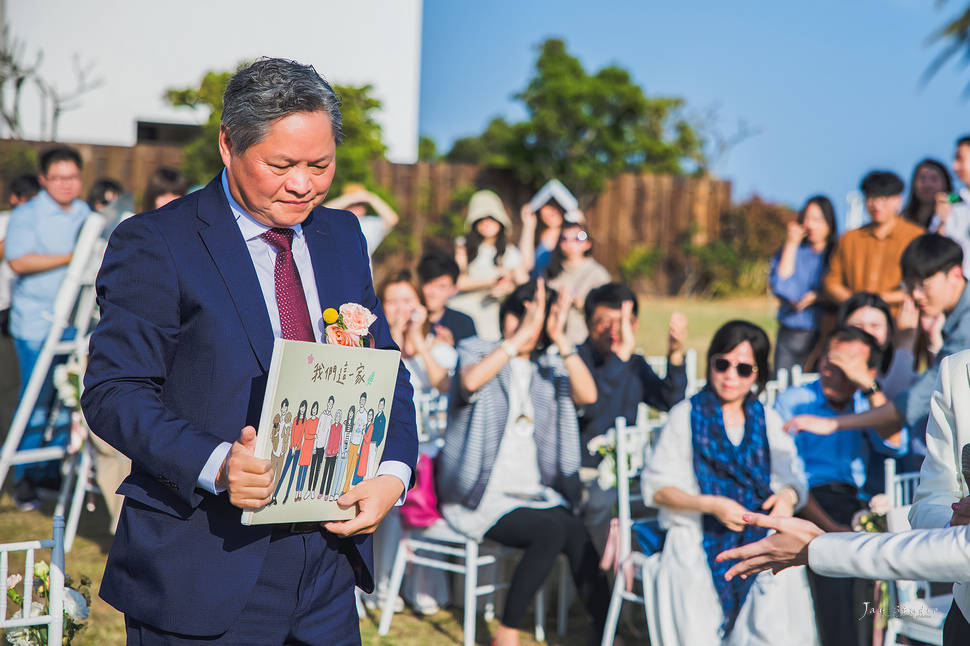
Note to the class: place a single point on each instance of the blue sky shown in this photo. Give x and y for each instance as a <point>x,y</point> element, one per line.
<point>833,87</point>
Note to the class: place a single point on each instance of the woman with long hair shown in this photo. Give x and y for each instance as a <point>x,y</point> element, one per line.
<point>930,178</point>
<point>722,455</point>
<point>796,277</point>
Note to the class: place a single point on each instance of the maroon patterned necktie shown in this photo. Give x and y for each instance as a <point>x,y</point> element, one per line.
<point>294,316</point>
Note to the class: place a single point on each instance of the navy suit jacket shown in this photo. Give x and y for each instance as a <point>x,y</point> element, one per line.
<point>177,366</point>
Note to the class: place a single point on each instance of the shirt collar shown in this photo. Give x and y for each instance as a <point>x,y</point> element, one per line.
<point>961,309</point>
<point>78,206</point>
<point>250,226</point>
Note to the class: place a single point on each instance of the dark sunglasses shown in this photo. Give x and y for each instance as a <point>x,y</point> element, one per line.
<point>744,370</point>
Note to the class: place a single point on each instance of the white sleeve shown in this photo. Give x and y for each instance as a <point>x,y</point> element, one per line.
<point>922,554</point>
<point>672,462</point>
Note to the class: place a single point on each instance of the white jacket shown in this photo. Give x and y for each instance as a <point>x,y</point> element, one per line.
<point>930,556</point>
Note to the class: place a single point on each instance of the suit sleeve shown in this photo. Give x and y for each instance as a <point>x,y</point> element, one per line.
<point>923,554</point>
<point>940,479</point>
<point>130,350</point>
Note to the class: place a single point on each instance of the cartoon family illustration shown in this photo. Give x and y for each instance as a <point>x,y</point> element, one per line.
<point>345,448</point>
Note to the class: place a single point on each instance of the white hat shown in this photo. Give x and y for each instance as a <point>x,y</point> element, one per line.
<point>486,204</point>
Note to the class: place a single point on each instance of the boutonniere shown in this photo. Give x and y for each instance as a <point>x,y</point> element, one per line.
<point>350,326</point>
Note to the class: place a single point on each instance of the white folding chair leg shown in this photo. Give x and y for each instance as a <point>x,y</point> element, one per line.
<point>541,614</point>
<point>471,598</point>
<point>613,616</point>
<point>393,587</point>
<point>565,598</point>
<point>81,469</point>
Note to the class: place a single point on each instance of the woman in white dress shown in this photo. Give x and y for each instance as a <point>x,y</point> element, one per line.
<point>720,456</point>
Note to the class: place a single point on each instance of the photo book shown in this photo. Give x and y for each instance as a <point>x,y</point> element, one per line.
<point>323,427</point>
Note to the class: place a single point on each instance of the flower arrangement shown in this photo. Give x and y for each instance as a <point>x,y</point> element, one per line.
<point>67,379</point>
<point>350,326</point>
<point>76,602</point>
<point>605,446</point>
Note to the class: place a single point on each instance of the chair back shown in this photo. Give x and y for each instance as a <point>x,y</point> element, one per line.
<point>658,363</point>
<point>901,489</point>
<point>634,447</point>
<point>54,619</point>
<point>799,378</point>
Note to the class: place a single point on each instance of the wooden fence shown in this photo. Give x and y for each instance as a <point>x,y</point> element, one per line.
<point>632,211</point>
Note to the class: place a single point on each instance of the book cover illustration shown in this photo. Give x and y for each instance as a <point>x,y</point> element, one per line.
<point>323,427</point>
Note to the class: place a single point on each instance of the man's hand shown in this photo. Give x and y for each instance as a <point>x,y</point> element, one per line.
<point>556,322</point>
<point>853,366</point>
<point>248,479</point>
<point>626,343</point>
<point>812,424</point>
<point>961,512</point>
<point>787,547</point>
<point>374,498</point>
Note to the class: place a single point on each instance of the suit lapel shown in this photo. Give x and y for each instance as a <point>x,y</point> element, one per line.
<point>229,253</point>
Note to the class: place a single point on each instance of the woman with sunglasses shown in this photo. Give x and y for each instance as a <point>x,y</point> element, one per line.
<point>720,456</point>
<point>573,271</point>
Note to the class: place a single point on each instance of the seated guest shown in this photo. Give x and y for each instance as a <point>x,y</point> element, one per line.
<point>796,279</point>
<point>103,192</point>
<point>428,358</point>
<point>573,270</point>
<point>867,259</point>
<point>721,456</point>
<point>164,185</point>
<point>895,373</point>
<point>438,275</point>
<point>932,268</point>
<point>838,466</point>
<point>509,467</point>
<point>623,380</point>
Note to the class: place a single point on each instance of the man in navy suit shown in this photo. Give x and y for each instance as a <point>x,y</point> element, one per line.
<point>191,299</point>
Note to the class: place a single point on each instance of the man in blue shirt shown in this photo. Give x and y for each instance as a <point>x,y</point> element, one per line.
<point>932,268</point>
<point>623,380</point>
<point>40,240</point>
<point>839,466</point>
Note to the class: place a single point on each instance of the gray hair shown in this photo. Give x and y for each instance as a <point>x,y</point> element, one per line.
<point>270,89</point>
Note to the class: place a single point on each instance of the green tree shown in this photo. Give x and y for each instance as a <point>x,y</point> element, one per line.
<point>361,133</point>
<point>586,128</point>
<point>427,149</point>
<point>955,37</point>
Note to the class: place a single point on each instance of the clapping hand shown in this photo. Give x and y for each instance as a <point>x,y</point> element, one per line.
<point>676,336</point>
<point>556,325</point>
<point>625,344</point>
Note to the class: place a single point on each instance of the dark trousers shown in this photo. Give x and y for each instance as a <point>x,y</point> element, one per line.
<point>836,614</point>
<point>315,463</point>
<point>956,630</point>
<point>793,347</point>
<point>330,467</point>
<point>304,595</point>
<point>544,534</point>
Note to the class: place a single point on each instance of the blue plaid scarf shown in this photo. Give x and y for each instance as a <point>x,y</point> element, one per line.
<point>742,473</point>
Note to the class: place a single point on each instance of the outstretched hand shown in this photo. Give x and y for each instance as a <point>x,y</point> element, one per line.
<point>787,547</point>
<point>811,424</point>
<point>374,498</point>
<point>248,479</point>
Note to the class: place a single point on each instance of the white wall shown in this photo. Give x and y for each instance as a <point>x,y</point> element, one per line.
<point>140,48</point>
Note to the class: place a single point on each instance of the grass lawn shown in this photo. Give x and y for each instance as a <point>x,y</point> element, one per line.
<point>105,627</point>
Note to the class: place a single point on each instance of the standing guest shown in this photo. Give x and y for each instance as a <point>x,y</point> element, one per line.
<point>932,268</point>
<point>39,244</point>
<point>357,199</point>
<point>554,205</point>
<point>22,188</point>
<point>953,220</point>
<point>930,178</point>
<point>796,279</point>
<point>103,192</point>
<point>623,380</point>
<point>164,185</point>
<point>438,274</point>
<point>334,439</point>
<point>310,426</point>
<point>320,443</point>
<point>175,381</point>
<point>867,259</point>
<point>490,267</point>
<point>573,270</point>
<point>721,456</point>
<point>509,467</point>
